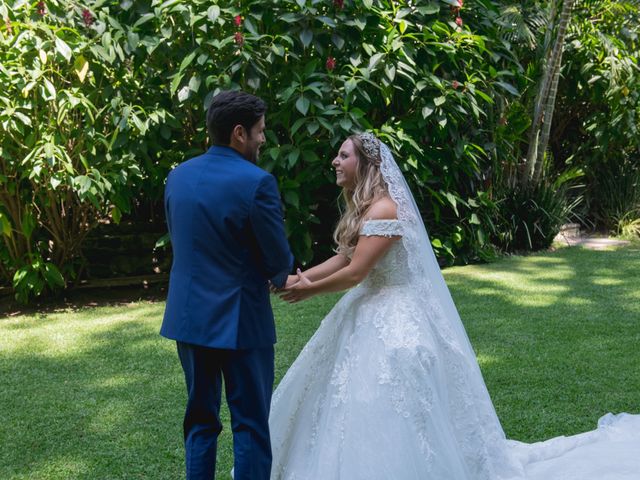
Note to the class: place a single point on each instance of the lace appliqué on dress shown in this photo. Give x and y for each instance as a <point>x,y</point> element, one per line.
<point>381,228</point>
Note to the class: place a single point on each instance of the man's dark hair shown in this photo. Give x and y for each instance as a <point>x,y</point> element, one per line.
<point>231,108</point>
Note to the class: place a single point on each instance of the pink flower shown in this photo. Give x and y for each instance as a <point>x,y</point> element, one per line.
<point>41,8</point>
<point>455,10</point>
<point>239,38</point>
<point>459,21</point>
<point>238,20</point>
<point>331,63</point>
<point>338,4</point>
<point>455,84</point>
<point>87,18</point>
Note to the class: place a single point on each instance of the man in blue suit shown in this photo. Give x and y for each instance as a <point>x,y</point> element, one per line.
<point>225,221</point>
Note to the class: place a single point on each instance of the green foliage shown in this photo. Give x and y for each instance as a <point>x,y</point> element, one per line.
<point>404,69</point>
<point>65,161</point>
<point>595,123</point>
<point>616,187</point>
<point>110,96</point>
<point>629,226</point>
<point>598,111</point>
<point>529,218</point>
<point>523,217</point>
<point>102,99</point>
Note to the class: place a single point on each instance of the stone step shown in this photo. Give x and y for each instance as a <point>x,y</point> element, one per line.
<point>570,230</point>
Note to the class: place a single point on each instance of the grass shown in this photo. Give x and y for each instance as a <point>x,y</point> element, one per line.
<point>95,393</point>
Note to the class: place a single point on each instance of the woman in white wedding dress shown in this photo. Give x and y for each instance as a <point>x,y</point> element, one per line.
<point>388,387</point>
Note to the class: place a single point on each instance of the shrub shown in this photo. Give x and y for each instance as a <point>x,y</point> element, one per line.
<point>405,69</point>
<point>65,162</point>
<point>614,195</point>
<point>529,219</point>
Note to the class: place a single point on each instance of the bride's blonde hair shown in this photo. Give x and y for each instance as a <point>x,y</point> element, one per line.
<point>369,187</point>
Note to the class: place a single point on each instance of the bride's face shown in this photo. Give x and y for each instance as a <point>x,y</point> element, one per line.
<point>346,165</point>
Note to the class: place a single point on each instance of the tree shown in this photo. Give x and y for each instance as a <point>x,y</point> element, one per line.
<point>548,88</point>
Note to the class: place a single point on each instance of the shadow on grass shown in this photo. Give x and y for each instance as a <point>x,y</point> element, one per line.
<point>78,299</point>
<point>58,316</point>
<point>561,330</point>
<point>108,411</point>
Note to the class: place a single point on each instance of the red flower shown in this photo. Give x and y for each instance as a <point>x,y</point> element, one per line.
<point>455,84</point>
<point>87,18</point>
<point>239,38</point>
<point>459,21</point>
<point>41,8</point>
<point>238,20</point>
<point>331,63</point>
<point>338,4</point>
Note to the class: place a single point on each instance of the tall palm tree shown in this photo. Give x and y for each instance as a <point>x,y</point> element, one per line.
<point>546,97</point>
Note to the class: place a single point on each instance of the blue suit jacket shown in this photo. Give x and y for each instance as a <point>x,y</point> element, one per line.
<point>225,221</point>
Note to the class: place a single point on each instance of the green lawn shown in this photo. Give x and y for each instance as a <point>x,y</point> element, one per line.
<point>95,393</point>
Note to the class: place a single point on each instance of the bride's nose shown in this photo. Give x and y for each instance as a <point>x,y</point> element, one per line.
<point>335,162</point>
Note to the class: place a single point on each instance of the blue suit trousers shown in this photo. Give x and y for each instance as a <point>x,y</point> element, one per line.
<point>248,380</point>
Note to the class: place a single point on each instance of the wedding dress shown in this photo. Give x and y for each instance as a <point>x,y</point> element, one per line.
<point>388,387</point>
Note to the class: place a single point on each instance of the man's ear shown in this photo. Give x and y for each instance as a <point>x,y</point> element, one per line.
<point>239,134</point>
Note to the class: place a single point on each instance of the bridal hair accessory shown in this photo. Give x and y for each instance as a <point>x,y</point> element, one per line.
<point>370,144</point>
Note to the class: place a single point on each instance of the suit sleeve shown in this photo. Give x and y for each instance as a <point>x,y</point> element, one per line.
<point>266,221</point>
<point>167,210</point>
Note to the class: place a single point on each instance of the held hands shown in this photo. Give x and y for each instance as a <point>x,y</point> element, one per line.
<point>297,288</point>
<point>291,280</point>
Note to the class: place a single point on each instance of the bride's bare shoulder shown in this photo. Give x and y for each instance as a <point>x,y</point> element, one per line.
<point>383,208</point>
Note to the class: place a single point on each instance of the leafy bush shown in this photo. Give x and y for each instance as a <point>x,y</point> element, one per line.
<point>404,69</point>
<point>614,193</point>
<point>530,219</point>
<point>421,80</point>
<point>65,160</point>
<point>102,99</point>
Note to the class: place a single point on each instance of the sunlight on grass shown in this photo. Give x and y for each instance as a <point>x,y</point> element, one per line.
<point>529,286</point>
<point>485,360</point>
<point>58,468</point>
<point>608,281</point>
<point>69,332</point>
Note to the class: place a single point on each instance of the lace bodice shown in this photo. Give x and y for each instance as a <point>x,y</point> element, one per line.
<point>391,269</point>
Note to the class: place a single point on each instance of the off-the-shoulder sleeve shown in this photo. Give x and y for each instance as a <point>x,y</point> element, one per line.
<point>381,228</point>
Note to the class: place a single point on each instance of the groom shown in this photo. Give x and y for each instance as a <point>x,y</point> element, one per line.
<point>225,221</point>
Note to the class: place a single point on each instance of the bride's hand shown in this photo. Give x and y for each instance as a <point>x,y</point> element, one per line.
<point>300,290</point>
<point>291,281</point>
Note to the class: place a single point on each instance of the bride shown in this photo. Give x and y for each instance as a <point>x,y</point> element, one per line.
<point>388,387</point>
